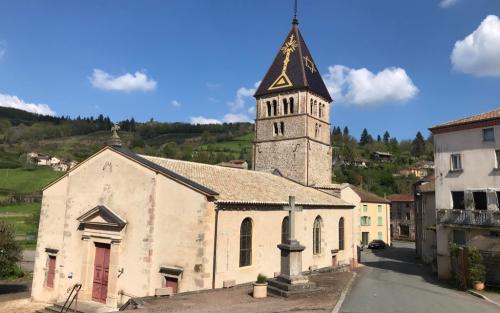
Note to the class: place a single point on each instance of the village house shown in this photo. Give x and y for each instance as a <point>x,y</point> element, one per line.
<point>425,220</point>
<point>467,189</point>
<point>402,216</point>
<point>127,225</point>
<point>381,156</point>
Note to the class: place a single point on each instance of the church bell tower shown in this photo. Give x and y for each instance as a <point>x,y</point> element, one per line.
<point>292,126</point>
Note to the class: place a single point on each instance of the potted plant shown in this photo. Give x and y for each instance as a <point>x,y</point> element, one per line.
<point>477,270</point>
<point>260,287</point>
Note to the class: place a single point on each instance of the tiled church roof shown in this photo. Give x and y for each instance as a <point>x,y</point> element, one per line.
<point>245,186</point>
<point>301,70</point>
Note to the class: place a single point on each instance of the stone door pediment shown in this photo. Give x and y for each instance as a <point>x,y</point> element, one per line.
<point>101,216</point>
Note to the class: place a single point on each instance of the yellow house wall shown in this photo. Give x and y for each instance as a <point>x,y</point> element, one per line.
<point>374,228</point>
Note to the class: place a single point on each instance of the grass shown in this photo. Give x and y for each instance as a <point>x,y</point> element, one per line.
<point>23,225</point>
<point>25,180</point>
<point>28,208</point>
<point>234,145</point>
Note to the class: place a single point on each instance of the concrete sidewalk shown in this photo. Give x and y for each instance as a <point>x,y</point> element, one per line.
<point>493,297</point>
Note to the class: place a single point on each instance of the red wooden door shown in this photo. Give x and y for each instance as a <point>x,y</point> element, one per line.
<point>171,282</point>
<point>51,272</point>
<point>101,271</point>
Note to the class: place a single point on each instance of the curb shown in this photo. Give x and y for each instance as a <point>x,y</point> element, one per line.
<point>339,303</point>
<point>477,294</point>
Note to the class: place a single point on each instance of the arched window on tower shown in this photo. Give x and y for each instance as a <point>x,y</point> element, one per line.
<point>275,125</point>
<point>285,235</point>
<point>320,111</point>
<point>312,104</point>
<point>317,235</point>
<point>282,128</point>
<point>341,233</point>
<point>268,108</point>
<point>291,106</point>
<point>316,130</point>
<point>246,242</point>
<point>275,107</point>
<point>315,107</point>
<point>285,106</point>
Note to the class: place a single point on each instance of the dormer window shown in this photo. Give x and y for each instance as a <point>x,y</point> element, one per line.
<point>488,134</point>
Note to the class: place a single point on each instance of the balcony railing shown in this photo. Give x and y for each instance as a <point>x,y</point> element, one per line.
<point>468,217</point>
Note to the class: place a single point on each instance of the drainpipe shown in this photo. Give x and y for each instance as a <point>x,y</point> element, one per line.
<point>214,267</point>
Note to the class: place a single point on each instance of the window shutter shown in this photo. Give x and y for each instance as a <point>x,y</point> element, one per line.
<point>492,200</point>
<point>469,200</point>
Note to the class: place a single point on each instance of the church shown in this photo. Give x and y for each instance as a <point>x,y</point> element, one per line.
<point>126,225</point>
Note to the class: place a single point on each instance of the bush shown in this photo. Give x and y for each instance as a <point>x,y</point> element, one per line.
<point>477,270</point>
<point>10,252</point>
<point>261,279</point>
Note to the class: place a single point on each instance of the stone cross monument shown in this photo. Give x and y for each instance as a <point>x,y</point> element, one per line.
<point>115,140</point>
<point>290,280</point>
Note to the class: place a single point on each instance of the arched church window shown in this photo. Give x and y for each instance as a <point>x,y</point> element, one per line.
<point>317,235</point>
<point>268,108</point>
<point>282,128</point>
<point>341,233</point>
<point>285,106</point>
<point>246,242</point>
<point>275,129</point>
<point>285,235</point>
<point>275,107</point>
<point>291,105</point>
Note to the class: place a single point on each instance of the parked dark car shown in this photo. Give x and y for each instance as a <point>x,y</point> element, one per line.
<point>377,244</point>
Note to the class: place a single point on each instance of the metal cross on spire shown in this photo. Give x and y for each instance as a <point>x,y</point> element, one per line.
<point>295,19</point>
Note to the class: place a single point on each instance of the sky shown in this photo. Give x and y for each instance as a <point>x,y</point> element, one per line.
<point>400,66</point>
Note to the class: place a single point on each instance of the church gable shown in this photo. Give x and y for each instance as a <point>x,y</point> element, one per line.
<point>101,216</point>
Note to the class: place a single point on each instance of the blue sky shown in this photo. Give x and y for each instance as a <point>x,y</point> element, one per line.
<point>388,63</point>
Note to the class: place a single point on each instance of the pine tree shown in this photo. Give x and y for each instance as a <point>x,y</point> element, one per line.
<point>418,145</point>
<point>346,132</point>
<point>378,138</point>
<point>387,137</point>
<point>365,138</point>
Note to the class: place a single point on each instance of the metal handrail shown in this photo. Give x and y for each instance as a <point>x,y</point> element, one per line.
<point>76,289</point>
<point>468,217</point>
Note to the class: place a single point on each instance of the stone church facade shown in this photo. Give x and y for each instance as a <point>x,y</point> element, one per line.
<point>125,225</point>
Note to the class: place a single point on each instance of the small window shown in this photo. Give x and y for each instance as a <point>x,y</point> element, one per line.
<point>246,242</point>
<point>365,208</point>
<point>488,134</point>
<point>365,221</point>
<point>320,111</point>
<point>317,236</point>
<point>282,128</point>
<point>497,159</point>
<point>269,108</point>
<point>456,162</point>
<point>291,106</point>
<point>341,233</point>
<point>379,208</point>
<point>275,128</point>
<point>480,200</point>
<point>275,107</point>
<point>459,237</point>
<point>379,221</point>
<point>312,103</point>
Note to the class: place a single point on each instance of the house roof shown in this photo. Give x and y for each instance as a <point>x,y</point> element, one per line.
<point>478,120</point>
<point>367,196</point>
<point>236,186</point>
<point>300,72</point>
<point>401,198</point>
<point>426,184</point>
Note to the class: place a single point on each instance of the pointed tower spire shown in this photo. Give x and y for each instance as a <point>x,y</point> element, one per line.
<point>295,19</point>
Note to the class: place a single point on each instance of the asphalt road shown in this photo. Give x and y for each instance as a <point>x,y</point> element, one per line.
<point>393,281</point>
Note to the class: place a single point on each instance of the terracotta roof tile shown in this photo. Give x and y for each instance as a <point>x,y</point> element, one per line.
<point>491,115</point>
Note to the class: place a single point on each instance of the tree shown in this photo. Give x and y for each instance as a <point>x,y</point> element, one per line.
<point>378,138</point>
<point>346,132</point>
<point>387,137</point>
<point>418,145</point>
<point>10,252</point>
<point>365,138</point>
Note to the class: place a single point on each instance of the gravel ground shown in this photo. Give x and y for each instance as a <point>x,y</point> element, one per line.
<point>24,305</point>
<point>238,299</point>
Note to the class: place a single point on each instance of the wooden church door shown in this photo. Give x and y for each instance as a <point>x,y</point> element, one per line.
<point>101,271</point>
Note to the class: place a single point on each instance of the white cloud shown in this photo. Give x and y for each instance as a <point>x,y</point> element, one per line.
<point>479,52</point>
<point>363,88</point>
<point>447,3</point>
<point>9,101</point>
<point>176,103</point>
<point>127,82</point>
<point>3,48</point>
<point>204,120</point>
<point>241,94</point>
<point>236,118</point>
